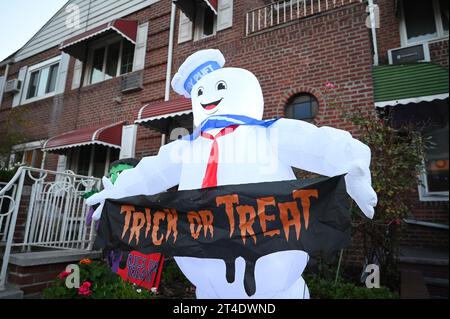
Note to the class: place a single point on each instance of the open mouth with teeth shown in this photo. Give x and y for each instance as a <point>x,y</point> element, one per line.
<point>211,106</point>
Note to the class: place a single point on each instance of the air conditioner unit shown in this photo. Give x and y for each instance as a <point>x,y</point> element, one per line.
<point>410,54</point>
<point>13,86</point>
<point>132,82</point>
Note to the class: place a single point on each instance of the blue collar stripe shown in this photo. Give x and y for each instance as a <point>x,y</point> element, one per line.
<point>200,72</point>
<point>223,121</point>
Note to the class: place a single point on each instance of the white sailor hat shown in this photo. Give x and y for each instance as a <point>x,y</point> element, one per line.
<point>194,68</point>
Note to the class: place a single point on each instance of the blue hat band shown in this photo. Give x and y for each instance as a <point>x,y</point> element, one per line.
<point>200,72</point>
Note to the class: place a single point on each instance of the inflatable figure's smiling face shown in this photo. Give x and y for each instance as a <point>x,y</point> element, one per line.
<point>227,91</point>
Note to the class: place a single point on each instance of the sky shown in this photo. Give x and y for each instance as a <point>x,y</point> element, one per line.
<point>21,19</point>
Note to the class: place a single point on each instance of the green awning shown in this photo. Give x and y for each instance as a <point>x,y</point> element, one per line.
<point>409,83</point>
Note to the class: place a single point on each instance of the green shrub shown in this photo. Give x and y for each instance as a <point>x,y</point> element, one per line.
<point>320,288</point>
<point>98,282</point>
<point>6,174</point>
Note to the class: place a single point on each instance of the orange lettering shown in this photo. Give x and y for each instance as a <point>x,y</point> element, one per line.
<point>291,207</point>
<point>172,219</point>
<point>263,218</point>
<point>138,223</point>
<point>149,221</point>
<point>157,217</point>
<point>207,220</point>
<point>193,218</point>
<point>229,201</point>
<point>245,224</point>
<point>127,210</point>
<point>304,196</point>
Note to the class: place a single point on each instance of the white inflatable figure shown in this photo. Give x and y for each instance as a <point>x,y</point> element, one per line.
<point>249,150</point>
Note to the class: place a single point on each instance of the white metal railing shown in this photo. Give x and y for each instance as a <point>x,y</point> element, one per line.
<point>284,11</point>
<point>52,211</point>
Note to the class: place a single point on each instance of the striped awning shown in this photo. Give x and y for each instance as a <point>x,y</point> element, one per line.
<point>76,46</point>
<point>189,7</point>
<point>158,115</point>
<point>105,135</point>
<point>409,83</point>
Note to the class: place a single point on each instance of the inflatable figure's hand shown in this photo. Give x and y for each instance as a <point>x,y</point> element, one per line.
<point>360,189</point>
<point>99,198</point>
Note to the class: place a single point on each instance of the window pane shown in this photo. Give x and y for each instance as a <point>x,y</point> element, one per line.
<point>97,65</point>
<point>33,85</point>
<point>127,57</point>
<point>84,160</point>
<point>444,14</point>
<point>28,158</point>
<point>208,22</point>
<point>99,161</point>
<point>302,111</point>
<point>419,19</point>
<point>52,76</point>
<point>437,161</point>
<point>112,60</point>
<point>304,107</point>
<point>37,158</point>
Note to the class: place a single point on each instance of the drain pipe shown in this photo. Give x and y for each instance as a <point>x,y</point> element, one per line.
<point>170,53</point>
<point>373,26</point>
<point>169,60</point>
<point>2,88</point>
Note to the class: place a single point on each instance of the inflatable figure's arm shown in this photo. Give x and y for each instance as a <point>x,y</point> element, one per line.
<point>329,152</point>
<point>151,176</point>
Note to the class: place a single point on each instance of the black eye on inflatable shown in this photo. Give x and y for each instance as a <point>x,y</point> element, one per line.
<point>200,92</point>
<point>221,86</point>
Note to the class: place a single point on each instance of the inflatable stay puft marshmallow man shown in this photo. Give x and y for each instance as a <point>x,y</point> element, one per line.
<point>233,145</point>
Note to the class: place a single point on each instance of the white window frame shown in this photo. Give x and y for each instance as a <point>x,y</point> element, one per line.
<point>105,43</point>
<point>199,23</point>
<point>73,159</point>
<point>427,196</point>
<point>27,147</point>
<point>424,194</point>
<point>38,67</point>
<point>441,34</point>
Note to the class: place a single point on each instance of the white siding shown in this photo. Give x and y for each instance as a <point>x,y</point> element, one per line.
<point>21,77</point>
<point>185,31</point>
<point>129,134</point>
<point>225,14</point>
<point>141,47</point>
<point>92,14</point>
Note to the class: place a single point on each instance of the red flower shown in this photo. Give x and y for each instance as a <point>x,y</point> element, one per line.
<point>331,85</point>
<point>64,275</point>
<point>85,262</point>
<point>85,290</point>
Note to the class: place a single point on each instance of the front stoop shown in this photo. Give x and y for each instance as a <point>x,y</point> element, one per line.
<point>425,267</point>
<point>11,293</point>
<point>33,272</point>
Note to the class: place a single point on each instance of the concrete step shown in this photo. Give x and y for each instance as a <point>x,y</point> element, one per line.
<point>432,264</point>
<point>11,293</point>
<point>437,287</point>
<point>413,285</point>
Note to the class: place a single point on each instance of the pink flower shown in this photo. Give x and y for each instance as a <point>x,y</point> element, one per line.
<point>85,290</point>
<point>64,275</point>
<point>331,85</point>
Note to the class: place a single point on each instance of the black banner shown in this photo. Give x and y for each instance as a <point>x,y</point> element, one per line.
<point>228,222</point>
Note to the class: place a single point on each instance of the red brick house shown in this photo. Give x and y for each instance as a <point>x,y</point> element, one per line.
<point>93,83</point>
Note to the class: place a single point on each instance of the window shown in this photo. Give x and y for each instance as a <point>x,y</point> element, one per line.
<point>423,20</point>
<point>205,23</point>
<point>302,107</point>
<point>91,160</point>
<point>110,59</point>
<point>41,80</point>
<point>29,154</point>
<point>435,177</point>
